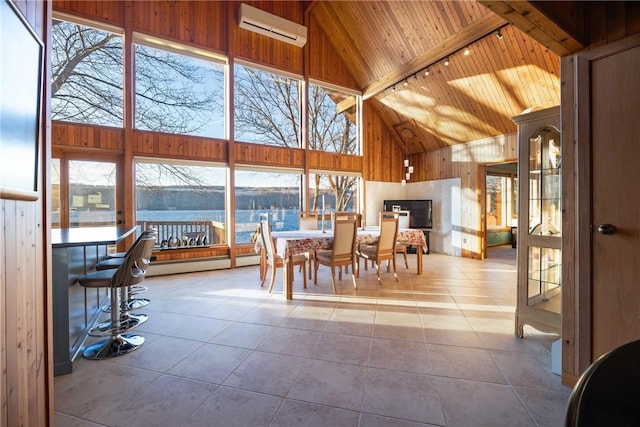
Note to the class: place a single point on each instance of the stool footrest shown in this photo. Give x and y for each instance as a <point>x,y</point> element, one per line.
<point>123,324</point>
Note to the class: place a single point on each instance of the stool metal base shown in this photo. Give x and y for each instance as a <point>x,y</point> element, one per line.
<point>113,346</point>
<point>123,324</point>
<point>132,304</point>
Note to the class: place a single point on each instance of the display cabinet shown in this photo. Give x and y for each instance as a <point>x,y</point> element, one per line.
<point>539,221</point>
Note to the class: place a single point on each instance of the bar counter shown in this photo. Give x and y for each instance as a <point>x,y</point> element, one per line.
<point>75,252</point>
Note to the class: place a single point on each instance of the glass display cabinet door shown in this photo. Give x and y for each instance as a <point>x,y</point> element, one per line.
<point>545,220</point>
<point>539,249</point>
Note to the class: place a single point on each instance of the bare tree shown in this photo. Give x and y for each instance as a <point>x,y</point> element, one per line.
<point>87,87</point>
<point>267,110</point>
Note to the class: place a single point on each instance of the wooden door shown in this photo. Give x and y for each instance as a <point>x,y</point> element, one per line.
<point>615,160</point>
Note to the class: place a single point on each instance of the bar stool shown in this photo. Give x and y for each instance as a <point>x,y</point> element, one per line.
<point>131,272</point>
<point>115,260</point>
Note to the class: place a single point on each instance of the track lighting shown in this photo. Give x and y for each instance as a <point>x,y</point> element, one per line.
<point>446,60</point>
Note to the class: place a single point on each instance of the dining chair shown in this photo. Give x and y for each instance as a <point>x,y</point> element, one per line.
<point>342,252</point>
<point>272,258</point>
<point>308,221</point>
<point>403,222</point>
<point>346,215</point>
<point>384,249</point>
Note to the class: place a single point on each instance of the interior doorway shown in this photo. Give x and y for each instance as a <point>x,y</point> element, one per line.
<point>500,211</point>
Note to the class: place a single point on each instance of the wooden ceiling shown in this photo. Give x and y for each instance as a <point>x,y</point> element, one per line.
<point>388,43</point>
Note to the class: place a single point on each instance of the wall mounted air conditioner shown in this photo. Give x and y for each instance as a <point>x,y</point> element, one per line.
<point>273,26</point>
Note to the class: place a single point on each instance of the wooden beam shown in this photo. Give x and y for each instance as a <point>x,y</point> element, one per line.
<point>532,21</point>
<point>466,36</point>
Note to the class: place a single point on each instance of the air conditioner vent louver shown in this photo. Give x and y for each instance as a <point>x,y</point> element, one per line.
<point>273,26</point>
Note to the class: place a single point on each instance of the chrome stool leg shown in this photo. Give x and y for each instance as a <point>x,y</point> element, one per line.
<point>116,343</point>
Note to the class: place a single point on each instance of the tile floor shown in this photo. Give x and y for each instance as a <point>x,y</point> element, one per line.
<point>430,350</point>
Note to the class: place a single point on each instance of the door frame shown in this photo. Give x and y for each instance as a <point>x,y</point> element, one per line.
<point>576,194</point>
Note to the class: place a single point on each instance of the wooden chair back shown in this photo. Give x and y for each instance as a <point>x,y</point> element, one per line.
<point>346,215</point>
<point>267,238</point>
<point>388,235</point>
<point>344,240</point>
<point>308,220</point>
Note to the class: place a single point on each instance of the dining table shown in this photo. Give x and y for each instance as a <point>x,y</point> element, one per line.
<point>290,243</point>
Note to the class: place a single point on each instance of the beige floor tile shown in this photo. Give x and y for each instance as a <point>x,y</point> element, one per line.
<point>400,355</point>
<point>465,363</point>
<point>343,348</point>
<point>165,402</point>
<point>547,407</point>
<point>473,403</point>
<point>369,420</point>
<point>330,383</point>
<point>245,335</point>
<point>266,373</point>
<point>403,395</point>
<point>294,342</point>
<point>211,363</point>
<point>294,413</point>
<point>235,408</point>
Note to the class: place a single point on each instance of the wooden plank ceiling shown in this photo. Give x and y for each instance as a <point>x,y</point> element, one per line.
<point>391,43</point>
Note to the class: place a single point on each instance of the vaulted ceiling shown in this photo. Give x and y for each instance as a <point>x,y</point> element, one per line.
<point>389,45</point>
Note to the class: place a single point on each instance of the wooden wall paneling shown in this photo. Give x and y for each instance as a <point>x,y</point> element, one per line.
<point>333,161</point>
<point>324,62</point>
<point>261,49</point>
<point>78,136</point>
<point>382,154</point>
<point>146,143</point>
<point>26,391</point>
<point>570,209</point>
<point>268,155</point>
<point>108,12</point>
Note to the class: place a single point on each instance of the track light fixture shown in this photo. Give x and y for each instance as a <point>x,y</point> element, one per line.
<point>446,60</point>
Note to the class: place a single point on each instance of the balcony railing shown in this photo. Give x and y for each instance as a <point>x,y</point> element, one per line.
<point>186,234</point>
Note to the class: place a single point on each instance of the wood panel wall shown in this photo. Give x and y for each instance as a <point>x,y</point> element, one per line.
<point>26,389</point>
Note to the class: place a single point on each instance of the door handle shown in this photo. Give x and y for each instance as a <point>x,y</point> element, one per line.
<point>607,229</point>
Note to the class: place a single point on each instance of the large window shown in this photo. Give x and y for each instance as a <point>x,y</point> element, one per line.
<point>333,192</point>
<point>264,191</point>
<point>184,201</point>
<point>267,107</point>
<point>86,75</point>
<point>332,120</point>
<point>178,94</point>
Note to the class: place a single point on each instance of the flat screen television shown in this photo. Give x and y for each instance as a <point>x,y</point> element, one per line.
<point>421,215</point>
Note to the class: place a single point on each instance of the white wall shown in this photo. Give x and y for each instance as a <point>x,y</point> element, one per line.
<point>446,237</point>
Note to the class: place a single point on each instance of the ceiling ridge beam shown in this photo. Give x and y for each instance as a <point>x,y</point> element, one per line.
<point>469,34</point>
<point>532,21</point>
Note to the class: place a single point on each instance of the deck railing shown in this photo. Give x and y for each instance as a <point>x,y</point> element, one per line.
<point>186,234</point>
